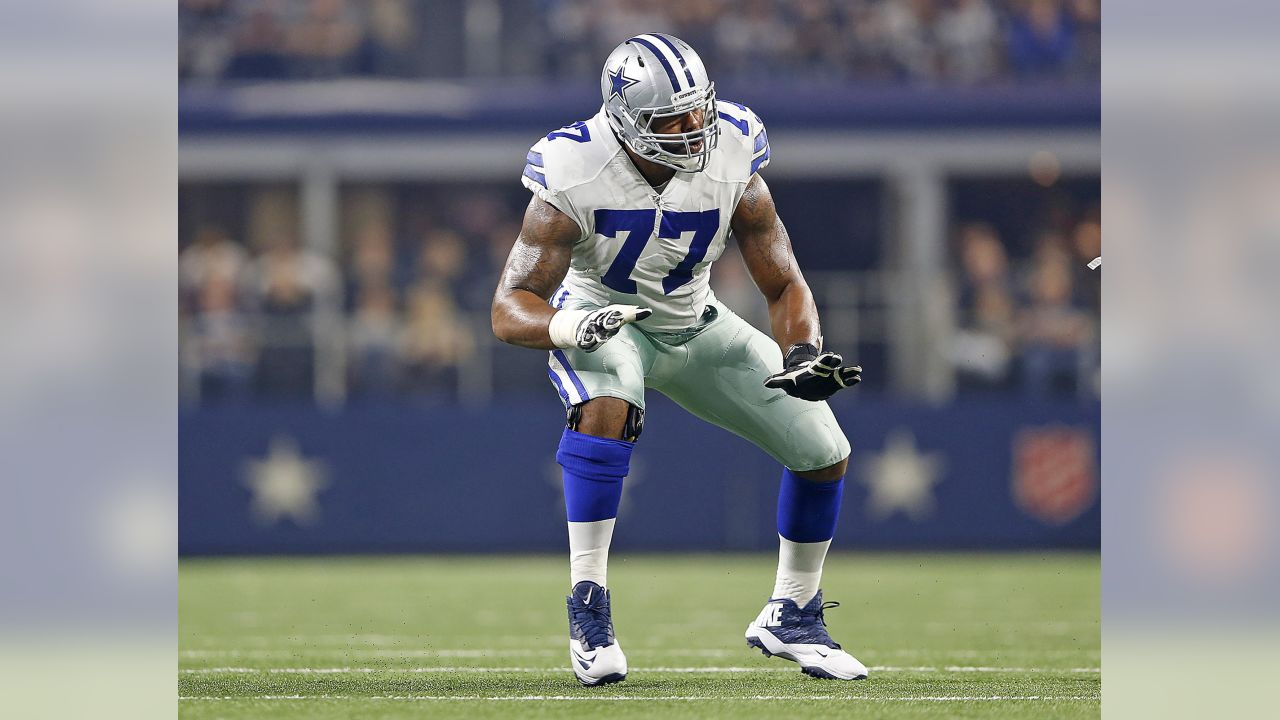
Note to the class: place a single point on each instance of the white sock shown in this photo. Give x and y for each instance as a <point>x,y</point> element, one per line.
<point>589,551</point>
<point>799,569</point>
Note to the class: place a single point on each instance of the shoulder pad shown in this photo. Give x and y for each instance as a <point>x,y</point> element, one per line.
<point>565,158</point>
<point>744,133</point>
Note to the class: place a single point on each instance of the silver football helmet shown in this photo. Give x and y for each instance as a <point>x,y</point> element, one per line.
<point>655,76</point>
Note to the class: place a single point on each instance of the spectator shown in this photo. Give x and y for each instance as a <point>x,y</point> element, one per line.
<point>212,254</point>
<point>967,32</point>
<point>258,47</point>
<point>867,43</point>
<point>288,284</point>
<point>324,41</point>
<point>1041,38</point>
<point>206,30</point>
<point>961,41</point>
<point>437,340</point>
<point>372,261</point>
<point>1086,245</point>
<point>219,344</point>
<point>1053,331</point>
<point>751,39</point>
<point>817,51</point>
<point>443,258</point>
<point>389,48</point>
<point>374,334</point>
<point>1087,16</point>
<point>982,349</point>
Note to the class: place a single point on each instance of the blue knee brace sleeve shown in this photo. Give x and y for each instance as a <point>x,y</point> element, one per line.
<point>807,510</point>
<point>593,471</point>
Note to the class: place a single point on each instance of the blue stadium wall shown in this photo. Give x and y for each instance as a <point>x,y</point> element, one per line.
<point>974,474</point>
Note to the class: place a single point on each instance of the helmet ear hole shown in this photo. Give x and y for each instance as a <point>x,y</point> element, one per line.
<point>640,61</point>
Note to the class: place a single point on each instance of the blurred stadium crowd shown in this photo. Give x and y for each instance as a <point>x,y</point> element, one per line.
<point>399,305</point>
<point>925,41</point>
<point>1029,322</point>
<point>407,292</point>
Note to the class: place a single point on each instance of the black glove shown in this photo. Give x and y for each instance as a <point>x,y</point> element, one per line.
<point>813,376</point>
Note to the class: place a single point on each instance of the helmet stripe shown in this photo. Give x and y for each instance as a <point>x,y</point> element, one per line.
<point>687,74</point>
<point>671,73</point>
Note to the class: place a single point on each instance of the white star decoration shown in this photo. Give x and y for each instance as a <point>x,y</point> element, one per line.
<point>901,478</point>
<point>285,484</point>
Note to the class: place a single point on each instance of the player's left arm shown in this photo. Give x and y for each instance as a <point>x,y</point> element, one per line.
<point>766,248</point>
<point>809,373</point>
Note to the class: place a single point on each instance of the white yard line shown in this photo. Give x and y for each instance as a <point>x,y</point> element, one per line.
<point>287,653</point>
<point>690,670</point>
<point>645,698</point>
<point>265,653</point>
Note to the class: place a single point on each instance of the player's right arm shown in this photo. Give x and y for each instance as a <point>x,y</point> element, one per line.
<point>536,266</point>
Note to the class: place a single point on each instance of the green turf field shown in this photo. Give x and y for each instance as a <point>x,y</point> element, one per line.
<point>1000,636</point>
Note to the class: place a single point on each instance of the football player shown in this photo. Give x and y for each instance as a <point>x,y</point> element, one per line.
<point>610,274</point>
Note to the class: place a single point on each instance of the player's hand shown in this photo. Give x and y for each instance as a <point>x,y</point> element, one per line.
<point>589,329</point>
<point>810,375</point>
<point>600,325</point>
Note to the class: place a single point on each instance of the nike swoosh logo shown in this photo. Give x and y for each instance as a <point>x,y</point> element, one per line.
<point>820,652</point>
<point>584,660</point>
<point>589,591</point>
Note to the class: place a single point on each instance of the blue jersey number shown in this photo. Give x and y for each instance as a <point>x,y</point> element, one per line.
<point>581,135</point>
<point>740,124</point>
<point>638,224</point>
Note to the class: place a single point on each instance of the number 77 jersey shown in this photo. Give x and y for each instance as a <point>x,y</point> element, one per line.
<point>641,245</point>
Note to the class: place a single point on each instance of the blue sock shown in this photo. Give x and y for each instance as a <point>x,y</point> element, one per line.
<point>807,510</point>
<point>594,468</point>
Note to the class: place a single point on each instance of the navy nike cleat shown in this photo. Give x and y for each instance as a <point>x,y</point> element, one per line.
<point>594,653</point>
<point>800,634</point>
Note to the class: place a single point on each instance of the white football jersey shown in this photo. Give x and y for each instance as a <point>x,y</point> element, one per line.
<point>640,245</point>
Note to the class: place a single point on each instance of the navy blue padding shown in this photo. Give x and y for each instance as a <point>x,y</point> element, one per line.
<point>594,468</point>
<point>808,510</point>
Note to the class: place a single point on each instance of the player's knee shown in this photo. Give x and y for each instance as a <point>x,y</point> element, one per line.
<point>819,447</point>
<point>607,417</point>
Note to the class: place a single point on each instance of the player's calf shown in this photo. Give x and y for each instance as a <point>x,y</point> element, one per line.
<point>792,625</point>
<point>594,470</point>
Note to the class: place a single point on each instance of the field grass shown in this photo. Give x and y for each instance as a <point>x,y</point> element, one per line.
<point>956,636</point>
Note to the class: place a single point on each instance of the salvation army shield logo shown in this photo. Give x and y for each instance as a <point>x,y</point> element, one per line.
<point>1054,478</point>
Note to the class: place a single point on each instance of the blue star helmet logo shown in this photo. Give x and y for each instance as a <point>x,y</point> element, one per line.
<point>620,82</point>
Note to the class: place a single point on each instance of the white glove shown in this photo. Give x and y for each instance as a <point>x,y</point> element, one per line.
<point>589,329</point>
